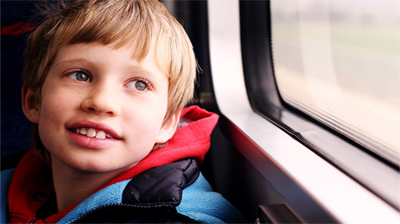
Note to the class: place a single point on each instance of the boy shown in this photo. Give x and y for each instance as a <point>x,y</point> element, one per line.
<point>104,84</point>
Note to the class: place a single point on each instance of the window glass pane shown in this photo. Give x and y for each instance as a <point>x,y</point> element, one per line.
<point>338,61</point>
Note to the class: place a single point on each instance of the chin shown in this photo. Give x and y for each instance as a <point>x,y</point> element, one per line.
<point>103,167</point>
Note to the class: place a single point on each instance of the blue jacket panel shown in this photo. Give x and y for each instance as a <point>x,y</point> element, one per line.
<point>172,193</point>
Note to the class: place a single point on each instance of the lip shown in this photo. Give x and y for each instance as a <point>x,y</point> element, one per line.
<point>90,142</point>
<point>97,126</point>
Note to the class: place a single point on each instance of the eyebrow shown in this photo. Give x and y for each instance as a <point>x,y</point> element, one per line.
<point>139,69</point>
<point>70,61</point>
<point>131,68</point>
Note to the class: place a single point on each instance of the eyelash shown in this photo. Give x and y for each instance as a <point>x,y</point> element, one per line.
<point>77,72</point>
<point>148,84</point>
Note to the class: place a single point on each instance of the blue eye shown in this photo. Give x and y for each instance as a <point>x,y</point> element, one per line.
<point>79,76</point>
<point>138,85</point>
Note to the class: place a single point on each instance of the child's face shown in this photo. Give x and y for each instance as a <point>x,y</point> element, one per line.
<point>116,103</point>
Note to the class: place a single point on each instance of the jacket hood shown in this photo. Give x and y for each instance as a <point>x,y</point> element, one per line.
<point>31,176</point>
<point>192,140</point>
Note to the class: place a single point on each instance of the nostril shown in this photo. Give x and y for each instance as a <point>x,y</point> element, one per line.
<point>101,103</point>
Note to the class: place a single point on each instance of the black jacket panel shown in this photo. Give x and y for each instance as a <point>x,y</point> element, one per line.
<point>150,197</point>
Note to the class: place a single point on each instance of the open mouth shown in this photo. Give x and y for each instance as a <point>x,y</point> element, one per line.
<point>90,132</point>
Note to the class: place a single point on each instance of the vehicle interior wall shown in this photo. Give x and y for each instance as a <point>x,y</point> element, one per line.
<point>232,175</point>
<point>227,170</point>
<point>317,190</point>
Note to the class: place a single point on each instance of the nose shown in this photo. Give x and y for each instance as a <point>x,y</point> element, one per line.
<point>102,99</point>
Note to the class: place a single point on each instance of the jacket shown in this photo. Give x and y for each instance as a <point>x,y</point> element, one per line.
<point>165,187</point>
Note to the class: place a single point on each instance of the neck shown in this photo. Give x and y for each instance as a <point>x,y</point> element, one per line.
<point>72,185</point>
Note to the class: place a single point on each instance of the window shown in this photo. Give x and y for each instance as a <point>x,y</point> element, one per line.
<point>338,61</point>
<point>275,55</point>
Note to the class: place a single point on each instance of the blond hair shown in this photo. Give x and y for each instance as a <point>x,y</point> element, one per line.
<point>118,22</point>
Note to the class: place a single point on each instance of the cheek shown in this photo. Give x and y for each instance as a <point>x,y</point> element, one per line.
<point>53,106</point>
<point>52,113</point>
<point>145,120</point>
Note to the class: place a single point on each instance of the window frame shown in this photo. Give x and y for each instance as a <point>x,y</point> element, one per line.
<point>335,147</point>
<point>275,143</point>
<point>344,153</point>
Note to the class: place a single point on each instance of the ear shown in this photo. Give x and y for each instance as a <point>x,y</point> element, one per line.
<point>169,128</point>
<point>29,106</point>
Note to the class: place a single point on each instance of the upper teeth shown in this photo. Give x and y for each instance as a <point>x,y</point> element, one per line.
<point>92,133</point>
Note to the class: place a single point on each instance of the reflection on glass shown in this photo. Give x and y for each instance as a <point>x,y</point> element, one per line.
<point>339,61</point>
